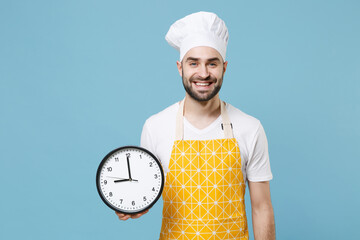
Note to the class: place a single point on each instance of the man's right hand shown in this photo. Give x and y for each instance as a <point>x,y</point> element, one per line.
<point>124,217</point>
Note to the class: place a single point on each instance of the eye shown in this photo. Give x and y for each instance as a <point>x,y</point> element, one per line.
<point>193,64</point>
<point>212,64</point>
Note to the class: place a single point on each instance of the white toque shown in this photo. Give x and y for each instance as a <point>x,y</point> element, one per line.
<point>198,29</point>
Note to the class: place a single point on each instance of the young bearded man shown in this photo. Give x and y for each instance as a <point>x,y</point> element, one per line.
<point>208,148</point>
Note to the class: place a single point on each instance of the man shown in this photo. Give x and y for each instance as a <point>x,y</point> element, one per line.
<point>208,149</point>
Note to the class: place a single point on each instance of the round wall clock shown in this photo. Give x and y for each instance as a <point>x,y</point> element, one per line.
<point>130,179</point>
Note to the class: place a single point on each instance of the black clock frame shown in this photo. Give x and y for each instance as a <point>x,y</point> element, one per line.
<point>98,180</point>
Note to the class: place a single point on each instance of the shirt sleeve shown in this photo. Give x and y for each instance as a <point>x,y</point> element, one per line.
<point>258,167</point>
<point>146,141</point>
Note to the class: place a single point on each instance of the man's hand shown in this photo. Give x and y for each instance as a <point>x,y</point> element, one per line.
<point>124,217</point>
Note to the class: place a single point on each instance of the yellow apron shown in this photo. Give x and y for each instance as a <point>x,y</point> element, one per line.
<point>204,188</point>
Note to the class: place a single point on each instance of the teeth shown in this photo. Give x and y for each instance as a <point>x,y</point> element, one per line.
<point>202,84</point>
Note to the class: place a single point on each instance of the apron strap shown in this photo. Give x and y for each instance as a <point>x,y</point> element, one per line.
<point>226,124</point>
<point>179,129</point>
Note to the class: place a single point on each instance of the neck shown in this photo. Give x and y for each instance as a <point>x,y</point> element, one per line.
<point>201,114</point>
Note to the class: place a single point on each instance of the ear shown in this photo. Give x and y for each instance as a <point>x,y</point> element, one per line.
<point>179,67</point>
<point>225,66</point>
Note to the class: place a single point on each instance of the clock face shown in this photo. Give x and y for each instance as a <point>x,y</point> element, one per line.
<point>130,179</point>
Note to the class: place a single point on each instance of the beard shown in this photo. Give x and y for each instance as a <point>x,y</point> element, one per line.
<point>198,96</point>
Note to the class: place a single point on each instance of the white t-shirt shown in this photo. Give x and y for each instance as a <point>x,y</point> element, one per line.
<point>158,137</point>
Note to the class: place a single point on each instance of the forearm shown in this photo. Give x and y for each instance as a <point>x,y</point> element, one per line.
<point>263,223</point>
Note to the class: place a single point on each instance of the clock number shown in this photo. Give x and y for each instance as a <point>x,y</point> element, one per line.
<point>153,189</point>
<point>144,199</point>
<point>128,155</point>
<point>109,169</point>
<point>110,194</point>
<point>133,203</point>
<point>116,159</point>
<point>151,164</point>
<point>156,176</point>
<point>121,200</point>
<point>105,182</point>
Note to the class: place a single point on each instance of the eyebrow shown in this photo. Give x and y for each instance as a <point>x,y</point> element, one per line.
<point>214,59</point>
<point>196,59</point>
<point>191,59</point>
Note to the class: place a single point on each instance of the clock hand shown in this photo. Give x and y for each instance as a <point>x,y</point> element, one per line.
<point>115,177</point>
<point>128,164</point>
<point>122,180</point>
<point>125,180</point>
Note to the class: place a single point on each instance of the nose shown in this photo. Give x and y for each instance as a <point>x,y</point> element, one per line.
<point>203,72</point>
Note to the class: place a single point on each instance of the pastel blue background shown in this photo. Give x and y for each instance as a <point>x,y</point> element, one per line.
<point>79,78</point>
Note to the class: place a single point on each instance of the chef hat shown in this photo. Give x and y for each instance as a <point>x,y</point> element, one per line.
<point>198,29</point>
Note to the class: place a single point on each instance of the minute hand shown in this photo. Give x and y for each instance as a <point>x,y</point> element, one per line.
<point>128,164</point>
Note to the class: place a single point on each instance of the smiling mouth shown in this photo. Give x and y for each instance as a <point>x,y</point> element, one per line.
<point>203,83</point>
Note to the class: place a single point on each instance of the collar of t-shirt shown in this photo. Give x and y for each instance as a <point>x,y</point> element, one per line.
<point>202,132</point>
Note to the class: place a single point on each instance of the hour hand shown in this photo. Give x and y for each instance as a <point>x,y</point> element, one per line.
<point>125,180</point>
<point>122,180</point>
